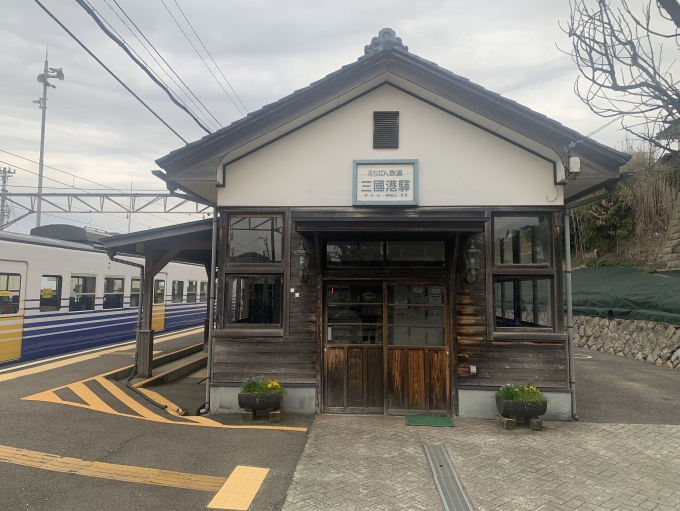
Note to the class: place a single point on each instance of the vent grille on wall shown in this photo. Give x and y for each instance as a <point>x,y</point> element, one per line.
<point>385,130</point>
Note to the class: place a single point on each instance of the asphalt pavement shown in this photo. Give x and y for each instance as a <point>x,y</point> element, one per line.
<point>623,390</point>
<point>85,434</point>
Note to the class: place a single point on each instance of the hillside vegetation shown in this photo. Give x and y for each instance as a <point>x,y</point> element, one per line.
<point>629,227</point>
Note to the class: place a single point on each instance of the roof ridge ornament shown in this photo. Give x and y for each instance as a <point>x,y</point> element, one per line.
<point>387,40</point>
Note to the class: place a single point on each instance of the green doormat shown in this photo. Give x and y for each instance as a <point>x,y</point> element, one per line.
<point>425,420</point>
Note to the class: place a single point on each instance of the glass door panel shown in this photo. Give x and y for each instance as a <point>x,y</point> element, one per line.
<point>415,316</point>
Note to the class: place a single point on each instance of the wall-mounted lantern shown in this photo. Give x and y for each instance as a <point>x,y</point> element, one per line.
<point>472,262</point>
<point>302,256</point>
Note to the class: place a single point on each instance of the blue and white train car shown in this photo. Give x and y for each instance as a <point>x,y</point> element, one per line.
<point>61,296</point>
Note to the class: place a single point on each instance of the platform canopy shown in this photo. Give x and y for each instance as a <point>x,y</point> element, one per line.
<point>188,243</point>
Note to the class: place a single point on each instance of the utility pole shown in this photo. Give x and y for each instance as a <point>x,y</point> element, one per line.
<point>48,72</point>
<point>5,174</point>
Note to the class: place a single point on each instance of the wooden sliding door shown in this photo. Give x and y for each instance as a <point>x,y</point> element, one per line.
<point>386,348</point>
<point>417,349</point>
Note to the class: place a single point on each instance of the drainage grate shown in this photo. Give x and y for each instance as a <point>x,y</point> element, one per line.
<point>445,477</point>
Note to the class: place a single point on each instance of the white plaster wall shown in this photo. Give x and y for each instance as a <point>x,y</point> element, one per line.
<point>459,164</point>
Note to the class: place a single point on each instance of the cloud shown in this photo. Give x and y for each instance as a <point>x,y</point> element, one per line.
<point>267,49</point>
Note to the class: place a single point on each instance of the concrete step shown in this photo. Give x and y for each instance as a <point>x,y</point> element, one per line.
<point>173,370</point>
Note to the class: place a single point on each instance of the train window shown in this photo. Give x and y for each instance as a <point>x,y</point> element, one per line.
<point>204,291</point>
<point>82,293</point>
<point>191,291</point>
<point>50,293</point>
<point>159,291</point>
<point>177,291</point>
<point>10,286</point>
<point>134,293</point>
<point>113,292</point>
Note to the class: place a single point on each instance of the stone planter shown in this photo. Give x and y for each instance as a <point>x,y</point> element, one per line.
<point>518,409</point>
<point>254,402</point>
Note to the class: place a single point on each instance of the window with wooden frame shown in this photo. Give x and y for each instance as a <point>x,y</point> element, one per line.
<point>523,273</point>
<point>254,272</point>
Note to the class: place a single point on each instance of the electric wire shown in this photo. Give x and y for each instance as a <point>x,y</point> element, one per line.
<point>108,70</point>
<point>201,57</point>
<point>211,58</point>
<point>63,172</point>
<point>166,62</point>
<point>129,46</point>
<point>198,110</point>
<point>82,190</point>
<point>144,68</point>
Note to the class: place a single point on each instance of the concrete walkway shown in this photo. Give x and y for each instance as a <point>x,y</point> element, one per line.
<point>377,463</point>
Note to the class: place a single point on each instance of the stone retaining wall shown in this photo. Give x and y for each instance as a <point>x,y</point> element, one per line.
<point>656,343</point>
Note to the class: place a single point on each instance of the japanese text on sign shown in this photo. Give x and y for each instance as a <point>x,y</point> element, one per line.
<point>385,183</point>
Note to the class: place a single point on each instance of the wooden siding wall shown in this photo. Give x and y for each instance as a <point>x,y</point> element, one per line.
<point>289,359</point>
<point>499,362</point>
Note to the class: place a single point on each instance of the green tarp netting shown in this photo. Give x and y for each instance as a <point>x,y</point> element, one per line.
<point>628,292</point>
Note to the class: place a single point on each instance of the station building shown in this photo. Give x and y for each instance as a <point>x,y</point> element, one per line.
<point>390,241</point>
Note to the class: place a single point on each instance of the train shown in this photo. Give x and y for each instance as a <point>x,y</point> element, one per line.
<point>58,296</point>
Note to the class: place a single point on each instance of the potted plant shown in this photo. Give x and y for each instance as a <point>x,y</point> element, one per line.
<point>260,394</point>
<point>522,401</point>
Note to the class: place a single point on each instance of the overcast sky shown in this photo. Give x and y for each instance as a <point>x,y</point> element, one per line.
<point>266,49</point>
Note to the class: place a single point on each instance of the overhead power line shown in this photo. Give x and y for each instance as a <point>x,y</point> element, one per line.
<point>211,58</point>
<point>129,46</point>
<point>165,62</point>
<point>142,66</point>
<point>201,57</point>
<point>108,70</point>
<point>62,171</point>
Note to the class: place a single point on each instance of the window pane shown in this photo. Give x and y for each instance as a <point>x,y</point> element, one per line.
<point>113,293</point>
<point>204,291</point>
<point>523,302</point>
<point>177,291</point>
<point>112,285</point>
<point>191,286</point>
<point>80,285</point>
<point>352,293</point>
<point>255,240</point>
<point>254,300</point>
<point>416,253</point>
<point>354,253</point>
<point>410,336</point>
<point>50,293</point>
<point>134,293</point>
<point>354,313</point>
<point>82,293</point>
<point>10,286</point>
<point>522,240</point>
<point>405,295</point>
<point>159,291</point>
<point>351,334</point>
<point>415,315</point>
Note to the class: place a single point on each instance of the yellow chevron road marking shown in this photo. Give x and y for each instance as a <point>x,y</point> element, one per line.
<point>97,404</point>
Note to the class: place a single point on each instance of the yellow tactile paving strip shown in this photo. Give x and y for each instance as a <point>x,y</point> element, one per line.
<point>112,471</point>
<point>239,489</point>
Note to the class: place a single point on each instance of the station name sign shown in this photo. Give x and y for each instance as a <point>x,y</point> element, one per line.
<point>385,182</point>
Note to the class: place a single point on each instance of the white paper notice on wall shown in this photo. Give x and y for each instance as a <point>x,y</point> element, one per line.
<point>383,183</point>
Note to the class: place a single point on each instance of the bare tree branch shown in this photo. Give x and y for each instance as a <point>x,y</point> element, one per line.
<point>620,58</point>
